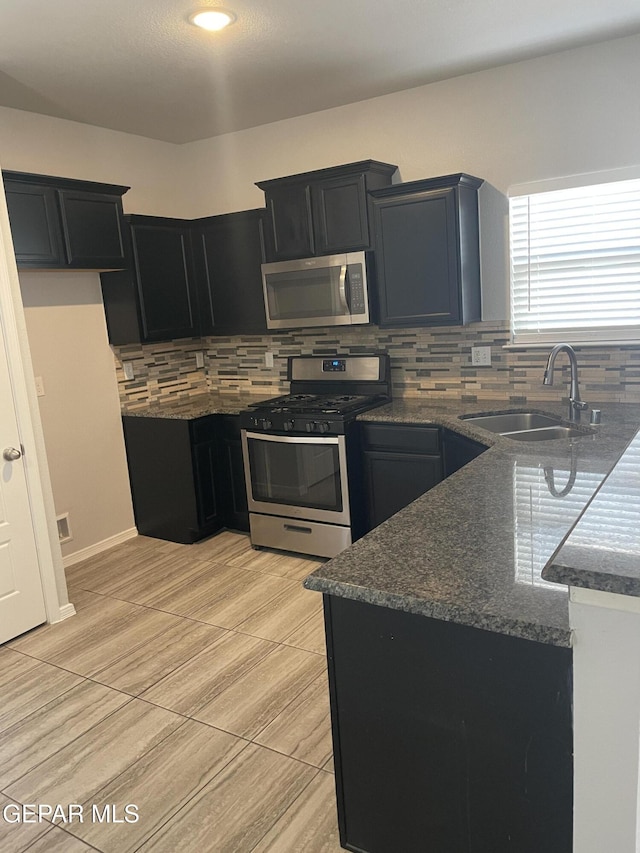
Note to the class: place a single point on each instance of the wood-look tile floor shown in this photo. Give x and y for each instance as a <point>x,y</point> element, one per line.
<point>192,684</point>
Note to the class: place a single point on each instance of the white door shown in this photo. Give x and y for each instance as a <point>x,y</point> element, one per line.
<point>21,597</point>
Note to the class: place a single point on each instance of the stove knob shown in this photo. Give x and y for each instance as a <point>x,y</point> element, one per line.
<point>310,426</point>
<point>323,427</point>
<point>265,423</point>
<point>288,425</point>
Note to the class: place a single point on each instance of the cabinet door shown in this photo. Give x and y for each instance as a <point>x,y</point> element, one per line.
<point>228,252</point>
<point>92,229</point>
<point>235,497</point>
<point>416,255</point>
<point>340,219</point>
<point>161,474</point>
<point>164,281</point>
<point>206,469</point>
<point>35,225</point>
<point>290,228</point>
<point>394,480</point>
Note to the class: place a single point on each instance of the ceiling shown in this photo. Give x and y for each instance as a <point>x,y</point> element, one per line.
<point>138,66</point>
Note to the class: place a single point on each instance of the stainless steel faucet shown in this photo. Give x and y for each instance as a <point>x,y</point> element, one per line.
<point>576,405</point>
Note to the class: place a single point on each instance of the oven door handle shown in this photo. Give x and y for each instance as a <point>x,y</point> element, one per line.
<point>342,289</point>
<point>294,439</point>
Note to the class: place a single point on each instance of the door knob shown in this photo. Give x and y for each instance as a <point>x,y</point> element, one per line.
<point>11,454</point>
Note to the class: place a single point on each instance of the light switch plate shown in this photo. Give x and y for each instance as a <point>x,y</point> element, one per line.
<point>199,359</point>
<point>39,386</point>
<point>128,369</point>
<point>268,359</point>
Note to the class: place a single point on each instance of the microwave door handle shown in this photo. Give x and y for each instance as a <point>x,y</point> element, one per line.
<point>342,289</point>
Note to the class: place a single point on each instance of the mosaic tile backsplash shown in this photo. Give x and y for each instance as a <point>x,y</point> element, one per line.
<point>424,362</point>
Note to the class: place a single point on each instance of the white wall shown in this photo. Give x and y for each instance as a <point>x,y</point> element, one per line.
<point>51,146</point>
<point>80,411</point>
<point>563,114</point>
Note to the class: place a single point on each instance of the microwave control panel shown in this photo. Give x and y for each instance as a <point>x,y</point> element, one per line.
<point>356,286</point>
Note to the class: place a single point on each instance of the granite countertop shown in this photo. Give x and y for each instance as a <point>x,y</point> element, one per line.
<point>188,408</point>
<point>472,549</point>
<point>602,551</point>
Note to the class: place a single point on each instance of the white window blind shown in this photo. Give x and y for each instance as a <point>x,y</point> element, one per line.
<point>575,264</point>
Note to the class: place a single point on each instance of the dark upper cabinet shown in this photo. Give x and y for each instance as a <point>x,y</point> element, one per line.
<point>427,252</point>
<point>164,279</point>
<point>289,226</point>
<point>155,298</point>
<point>92,229</point>
<point>322,212</point>
<point>188,278</point>
<point>59,223</point>
<point>228,251</point>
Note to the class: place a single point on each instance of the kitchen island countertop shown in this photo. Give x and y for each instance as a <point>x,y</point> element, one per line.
<point>472,549</point>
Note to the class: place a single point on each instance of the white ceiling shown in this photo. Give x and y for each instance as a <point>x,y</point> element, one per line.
<point>138,66</point>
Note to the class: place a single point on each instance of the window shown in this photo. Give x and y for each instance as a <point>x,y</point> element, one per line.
<point>575,264</point>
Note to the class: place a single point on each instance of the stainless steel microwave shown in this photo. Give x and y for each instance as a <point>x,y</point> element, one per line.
<point>324,291</point>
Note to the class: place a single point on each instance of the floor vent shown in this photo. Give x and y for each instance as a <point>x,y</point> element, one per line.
<point>64,530</point>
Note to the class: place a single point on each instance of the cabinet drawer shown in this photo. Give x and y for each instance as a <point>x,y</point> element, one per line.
<point>203,429</point>
<point>401,439</point>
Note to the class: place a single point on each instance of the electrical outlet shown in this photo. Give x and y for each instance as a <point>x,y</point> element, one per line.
<point>128,369</point>
<point>481,356</point>
<point>199,359</point>
<point>268,359</point>
<point>39,386</point>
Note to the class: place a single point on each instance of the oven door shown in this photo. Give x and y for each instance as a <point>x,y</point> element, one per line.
<point>297,476</point>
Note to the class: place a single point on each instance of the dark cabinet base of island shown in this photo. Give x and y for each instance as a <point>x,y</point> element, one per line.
<point>447,738</point>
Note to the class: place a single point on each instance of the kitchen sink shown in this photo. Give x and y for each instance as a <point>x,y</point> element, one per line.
<point>527,426</point>
<point>512,421</point>
<point>546,433</point>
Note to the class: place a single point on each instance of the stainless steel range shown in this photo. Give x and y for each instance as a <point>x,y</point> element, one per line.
<point>301,455</point>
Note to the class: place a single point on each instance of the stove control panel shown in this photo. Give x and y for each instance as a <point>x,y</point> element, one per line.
<point>321,427</point>
<point>261,423</point>
<point>334,365</point>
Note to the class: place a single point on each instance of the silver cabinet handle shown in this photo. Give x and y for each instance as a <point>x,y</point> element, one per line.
<point>11,454</point>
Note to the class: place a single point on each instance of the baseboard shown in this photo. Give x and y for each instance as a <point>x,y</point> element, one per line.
<point>65,611</point>
<point>99,547</point>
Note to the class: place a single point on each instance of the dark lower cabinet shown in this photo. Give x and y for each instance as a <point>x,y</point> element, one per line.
<point>458,451</point>
<point>237,511</point>
<point>60,223</point>
<point>447,738</point>
<point>184,477</point>
<point>400,463</point>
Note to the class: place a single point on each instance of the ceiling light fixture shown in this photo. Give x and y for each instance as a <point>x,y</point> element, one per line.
<point>213,18</point>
